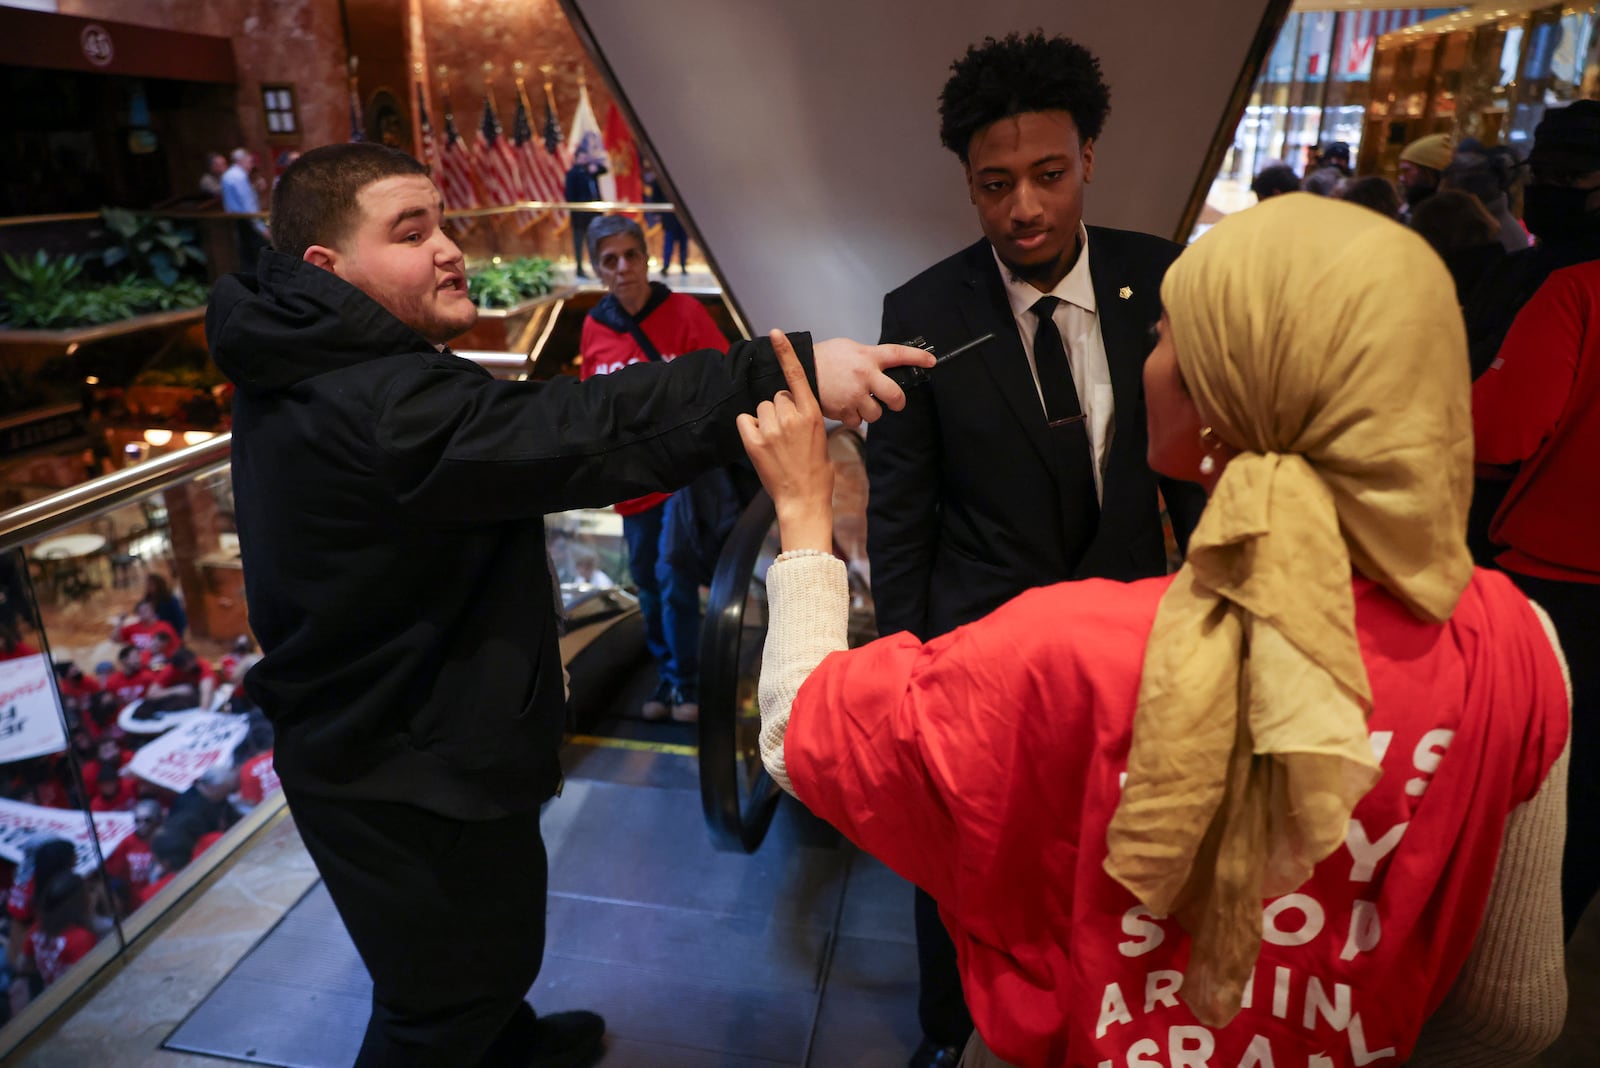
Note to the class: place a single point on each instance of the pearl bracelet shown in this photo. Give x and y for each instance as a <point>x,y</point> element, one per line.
<point>794,554</point>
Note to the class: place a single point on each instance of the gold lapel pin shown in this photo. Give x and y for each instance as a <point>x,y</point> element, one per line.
<point>1125,292</point>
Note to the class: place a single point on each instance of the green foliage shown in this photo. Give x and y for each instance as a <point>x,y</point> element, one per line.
<point>151,247</point>
<point>49,294</point>
<point>504,285</point>
<point>38,293</point>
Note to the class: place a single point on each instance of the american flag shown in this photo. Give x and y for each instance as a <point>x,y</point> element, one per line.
<point>430,150</point>
<point>455,170</point>
<point>547,178</point>
<point>496,163</point>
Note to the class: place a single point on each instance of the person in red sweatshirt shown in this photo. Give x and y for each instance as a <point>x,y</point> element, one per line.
<point>186,674</point>
<point>641,321</point>
<point>141,632</point>
<point>62,936</point>
<point>1536,417</point>
<point>131,864</point>
<point>131,681</point>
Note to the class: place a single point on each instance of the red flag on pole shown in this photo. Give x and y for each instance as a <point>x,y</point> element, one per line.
<point>624,158</point>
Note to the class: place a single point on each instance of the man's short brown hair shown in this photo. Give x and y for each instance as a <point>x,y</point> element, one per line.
<point>315,199</point>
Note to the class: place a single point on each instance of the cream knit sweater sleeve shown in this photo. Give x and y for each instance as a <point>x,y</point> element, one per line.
<point>1510,1000</point>
<point>808,617</point>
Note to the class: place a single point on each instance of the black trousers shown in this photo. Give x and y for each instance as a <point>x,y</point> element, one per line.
<point>941,1007</point>
<point>1574,608</point>
<point>580,220</point>
<point>448,917</point>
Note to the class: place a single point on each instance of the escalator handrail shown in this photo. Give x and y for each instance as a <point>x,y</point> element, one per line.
<point>41,518</point>
<point>76,504</point>
<point>732,826</point>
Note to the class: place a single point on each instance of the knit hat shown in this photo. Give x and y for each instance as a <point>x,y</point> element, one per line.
<point>1433,152</point>
<point>1568,138</point>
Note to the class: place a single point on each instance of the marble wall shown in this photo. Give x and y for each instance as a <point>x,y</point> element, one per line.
<point>301,43</point>
<point>298,42</point>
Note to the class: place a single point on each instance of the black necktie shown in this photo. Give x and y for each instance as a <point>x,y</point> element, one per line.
<point>1068,427</point>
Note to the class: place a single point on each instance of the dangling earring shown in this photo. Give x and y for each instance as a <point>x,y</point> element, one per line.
<point>1208,462</point>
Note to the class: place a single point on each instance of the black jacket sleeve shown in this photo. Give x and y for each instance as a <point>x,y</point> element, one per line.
<point>460,447</point>
<point>903,503</point>
<point>1185,501</point>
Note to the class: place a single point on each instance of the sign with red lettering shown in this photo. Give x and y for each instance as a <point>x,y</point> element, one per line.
<point>179,757</point>
<point>20,822</point>
<point>30,717</point>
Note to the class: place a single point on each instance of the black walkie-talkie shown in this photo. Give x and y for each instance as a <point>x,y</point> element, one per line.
<point>905,376</point>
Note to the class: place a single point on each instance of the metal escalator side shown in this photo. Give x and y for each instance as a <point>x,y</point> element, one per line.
<point>737,795</point>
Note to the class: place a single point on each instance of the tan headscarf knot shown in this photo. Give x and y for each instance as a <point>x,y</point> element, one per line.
<point>1324,342</point>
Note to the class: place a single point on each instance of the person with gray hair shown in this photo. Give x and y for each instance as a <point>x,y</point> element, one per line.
<point>239,198</point>
<point>640,321</point>
<point>204,807</point>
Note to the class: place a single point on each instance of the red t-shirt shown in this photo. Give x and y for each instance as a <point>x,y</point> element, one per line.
<point>127,793</point>
<point>154,888</point>
<point>171,676</point>
<point>91,772</point>
<point>83,687</point>
<point>257,779</point>
<point>132,862</point>
<point>677,325</point>
<point>21,650</point>
<point>52,956</point>
<point>1538,406</point>
<point>129,688</point>
<point>19,903</point>
<point>985,766</point>
<point>142,636</point>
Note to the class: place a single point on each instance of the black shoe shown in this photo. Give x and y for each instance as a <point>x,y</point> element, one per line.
<point>568,1040</point>
<point>580,273</point>
<point>686,704</point>
<point>659,704</point>
<point>932,1055</point>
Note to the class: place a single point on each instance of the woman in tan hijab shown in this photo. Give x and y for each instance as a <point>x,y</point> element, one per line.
<point>1281,808</point>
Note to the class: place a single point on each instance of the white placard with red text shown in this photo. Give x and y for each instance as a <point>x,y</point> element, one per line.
<point>176,759</point>
<point>30,717</point>
<point>20,822</point>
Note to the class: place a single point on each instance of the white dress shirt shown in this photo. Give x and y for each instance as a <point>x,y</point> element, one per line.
<point>1078,321</point>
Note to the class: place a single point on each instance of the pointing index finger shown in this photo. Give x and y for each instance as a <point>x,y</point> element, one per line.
<point>793,372</point>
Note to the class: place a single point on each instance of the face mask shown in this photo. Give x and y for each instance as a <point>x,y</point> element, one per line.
<point>1416,194</point>
<point>1554,212</point>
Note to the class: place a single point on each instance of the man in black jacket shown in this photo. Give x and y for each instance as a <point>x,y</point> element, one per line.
<point>389,497</point>
<point>1021,463</point>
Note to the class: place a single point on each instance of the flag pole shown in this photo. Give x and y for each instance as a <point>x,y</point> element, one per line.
<point>357,118</point>
<point>463,226</point>
<point>522,102</point>
<point>562,220</point>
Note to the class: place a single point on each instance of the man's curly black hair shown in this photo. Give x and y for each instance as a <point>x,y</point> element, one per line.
<point>998,79</point>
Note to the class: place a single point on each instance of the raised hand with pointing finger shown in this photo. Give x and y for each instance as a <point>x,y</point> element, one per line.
<point>788,444</point>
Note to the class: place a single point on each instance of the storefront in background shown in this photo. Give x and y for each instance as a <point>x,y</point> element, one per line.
<point>1488,75</point>
<point>1314,89</point>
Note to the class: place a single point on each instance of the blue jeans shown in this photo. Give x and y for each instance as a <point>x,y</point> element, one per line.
<point>670,602</point>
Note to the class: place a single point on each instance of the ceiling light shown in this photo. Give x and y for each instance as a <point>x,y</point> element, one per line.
<point>157,436</point>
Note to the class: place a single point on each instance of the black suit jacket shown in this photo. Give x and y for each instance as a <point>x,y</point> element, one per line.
<point>965,510</point>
